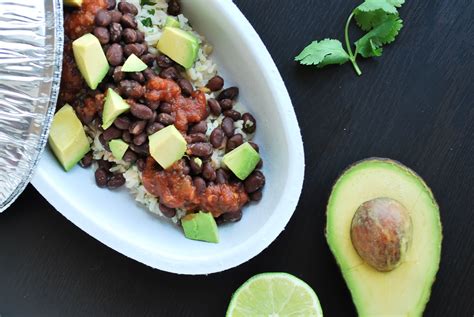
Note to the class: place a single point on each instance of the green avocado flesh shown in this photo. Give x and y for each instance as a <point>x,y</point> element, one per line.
<point>67,138</point>
<point>172,22</point>
<point>118,148</point>
<point>242,160</point>
<point>167,146</point>
<point>114,106</point>
<point>405,290</point>
<point>179,45</point>
<point>90,59</point>
<point>200,226</point>
<point>133,64</point>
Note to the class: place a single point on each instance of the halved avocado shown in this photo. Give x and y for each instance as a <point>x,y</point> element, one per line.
<point>402,289</point>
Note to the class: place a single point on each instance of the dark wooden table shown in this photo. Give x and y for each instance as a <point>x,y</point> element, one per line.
<point>414,104</point>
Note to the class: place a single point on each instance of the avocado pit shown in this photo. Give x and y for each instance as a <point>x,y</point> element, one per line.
<point>381,232</point>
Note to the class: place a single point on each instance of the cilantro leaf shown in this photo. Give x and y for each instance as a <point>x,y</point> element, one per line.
<point>147,22</point>
<point>323,53</point>
<point>147,2</point>
<point>374,12</point>
<point>370,44</point>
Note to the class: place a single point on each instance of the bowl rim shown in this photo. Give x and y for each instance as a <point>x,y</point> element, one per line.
<point>265,235</point>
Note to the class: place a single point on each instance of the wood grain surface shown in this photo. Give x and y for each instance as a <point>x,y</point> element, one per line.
<point>415,104</point>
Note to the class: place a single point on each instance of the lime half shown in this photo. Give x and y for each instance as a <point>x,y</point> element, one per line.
<point>275,295</point>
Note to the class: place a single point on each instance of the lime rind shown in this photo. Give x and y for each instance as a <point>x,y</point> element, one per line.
<point>274,294</point>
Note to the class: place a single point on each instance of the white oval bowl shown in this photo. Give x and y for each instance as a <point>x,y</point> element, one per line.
<point>114,218</point>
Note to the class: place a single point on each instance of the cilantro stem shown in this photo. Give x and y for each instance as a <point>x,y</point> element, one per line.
<point>352,56</point>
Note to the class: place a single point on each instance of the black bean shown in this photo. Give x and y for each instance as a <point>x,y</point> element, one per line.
<point>222,177</point>
<point>174,8</point>
<point>102,18</point>
<point>227,126</point>
<point>217,138</point>
<point>131,89</point>
<point>136,49</point>
<point>259,164</point>
<point>118,75</point>
<point>126,136</point>
<point>195,163</point>
<point>143,149</point>
<point>186,87</point>
<point>128,21</point>
<point>200,149</point>
<point>129,156</point>
<point>165,119</point>
<point>140,139</point>
<point>122,123</point>
<point>102,35</point>
<point>153,105</point>
<point>148,59</point>
<point>226,104</point>
<point>141,38</point>
<point>214,106</point>
<point>104,86</point>
<point>215,83</point>
<point>101,177</point>
<point>111,4</point>
<point>167,211</point>
<point>154,127</point>
<point>250,124</point>
<point>116,181</point>
<point>115,30</point>
<point>115,54</point>
<point>111,133</point>
<point>200,184</point>
<point>126,7</point>
<point>116,15</point>
<point>86,161</point>
<point>141,164</point>
<point>138,77</point>
<point>234,142</point>
<point>149,74</point>
<point>254,182</point>
<point>208,172</point>
<point>256,196</point>
<point>200,127</point>
<point>165,107</point>
<point>129,36</point>
<point>232,216</point>
<point>137,127</point>
<point>106,165</point>
<point>186,169</point>
<point>170,73</point>
<point>196,137</point>
<point>229,93</point>
<point>254,145</point>
<point>164,61</point>
<point>235,115</point>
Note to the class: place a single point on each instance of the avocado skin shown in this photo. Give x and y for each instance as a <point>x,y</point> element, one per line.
<point>426,187</point>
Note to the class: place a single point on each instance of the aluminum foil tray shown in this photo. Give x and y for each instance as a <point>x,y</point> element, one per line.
<point>31,46</point>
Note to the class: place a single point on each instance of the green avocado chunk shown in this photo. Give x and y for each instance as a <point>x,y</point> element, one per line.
<point>383,227</point>
<point>179,45</point>
<point>67,138</point>
<point>133,64</point>
<point>73,3</point>
<point>242,160</point>
<point>118,148</point>
<point>172,22</point>
<point>90,59</point>
<point>167,146</point>
<point>200,226</point>
<point>114,106</point>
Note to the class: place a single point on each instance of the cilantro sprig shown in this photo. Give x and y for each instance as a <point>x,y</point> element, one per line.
<point>381,21</point>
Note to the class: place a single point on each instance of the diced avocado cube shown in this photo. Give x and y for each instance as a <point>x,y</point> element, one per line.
<point>133,64</point>
<point>90,59</point>
<point>179,45</point>
<point>114,106</point>
<point>201,226</point>
<point>172,22</point>
<point>67,138</point>
<point>242,160</point>
<point>73,3</point>
<point>118,148</point>
<point>167,146</point>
